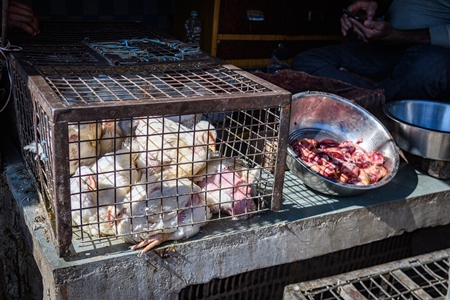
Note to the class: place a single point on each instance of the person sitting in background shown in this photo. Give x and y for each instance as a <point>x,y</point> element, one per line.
<point>21,16</point>
<point>406,52</point>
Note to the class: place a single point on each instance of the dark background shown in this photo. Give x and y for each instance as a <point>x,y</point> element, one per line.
<point>156,13</point>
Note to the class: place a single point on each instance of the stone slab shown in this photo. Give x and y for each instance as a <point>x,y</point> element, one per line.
<point>308,225</point>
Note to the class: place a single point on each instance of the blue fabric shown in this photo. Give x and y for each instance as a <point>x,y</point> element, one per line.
<point>419,14</point>
<point>417,72</point>
<point>422,73</point>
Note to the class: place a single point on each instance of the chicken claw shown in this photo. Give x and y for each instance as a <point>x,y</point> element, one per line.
<point>150,243</point>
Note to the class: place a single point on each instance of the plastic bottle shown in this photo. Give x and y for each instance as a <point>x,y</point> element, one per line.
<point>192,29</point>
<point>275,63</point>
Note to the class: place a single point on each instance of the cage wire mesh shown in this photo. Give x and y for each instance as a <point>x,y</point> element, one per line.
<point>77,85</point>
<point>420,277</point>
<point>96,43</point>
<point>147,151</point>
<point>58,33</point>
<point>126,51</point>
<point>269,283</point>
<point>61,55</point>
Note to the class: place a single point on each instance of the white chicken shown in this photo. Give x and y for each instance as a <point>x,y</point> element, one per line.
<point>112,137</point>
<point>89,211</point>
<point>83,144</point>
<point>229,186</point>
<point>162,211</point>
<point>39,149</point>
<point>181,151</point>
<point>189,220</point>
<point>96,187</point>
<point>188,121</point>
<point>116,172</point>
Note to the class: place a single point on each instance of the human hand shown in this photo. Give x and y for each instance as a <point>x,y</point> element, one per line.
<point>371,30</point>
<point>21,16</point>
<point>364,9</point>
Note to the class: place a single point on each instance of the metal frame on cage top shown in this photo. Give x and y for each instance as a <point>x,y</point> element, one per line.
<point>54,96</point>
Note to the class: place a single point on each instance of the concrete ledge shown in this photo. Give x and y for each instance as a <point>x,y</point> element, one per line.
<point>19,275</point>
<point>309,225</point>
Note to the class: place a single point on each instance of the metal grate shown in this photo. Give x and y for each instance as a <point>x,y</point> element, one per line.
<point>232,148</point>
<point>107,136</point>
<point>114,53</point>
<point>60,55</point>
<point>127,43</point>
<point>145,50</point>
<point>421,277</point>
<point>269,283</point>
<point>76,85</point>
<point>74,32</point>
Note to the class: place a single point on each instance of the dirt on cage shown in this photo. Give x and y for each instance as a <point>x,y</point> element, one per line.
<point>269,283</point>
<point>148,138</point>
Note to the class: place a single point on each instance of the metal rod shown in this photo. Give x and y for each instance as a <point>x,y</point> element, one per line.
<point>5,5</point>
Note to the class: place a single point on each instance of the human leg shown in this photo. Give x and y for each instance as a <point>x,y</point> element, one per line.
<point>422,73</point>
<point>349,62</point>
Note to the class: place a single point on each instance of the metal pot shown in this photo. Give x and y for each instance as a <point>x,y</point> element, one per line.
<point>321,115</point>
<point>421,127</point>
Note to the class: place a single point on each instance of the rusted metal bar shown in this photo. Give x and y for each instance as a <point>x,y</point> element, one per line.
<point>5,5</point>
<point>61,201</point>
<point>411,285</point>
<point>392,280</point>
<point>71,86</point>
<point>349,292</point>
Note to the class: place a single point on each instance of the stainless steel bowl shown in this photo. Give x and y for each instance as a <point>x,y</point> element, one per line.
<point>421,127</point>
<point>321,115</point>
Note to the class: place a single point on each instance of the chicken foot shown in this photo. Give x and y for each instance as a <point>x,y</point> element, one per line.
<point>151,242</point>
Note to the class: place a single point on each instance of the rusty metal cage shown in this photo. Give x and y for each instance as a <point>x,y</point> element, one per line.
<point>323,277</point>
<point>113,43</point>
<point>103,137</point>
<point>75,32</point>
<point>269,283</point>
<point>419,277</point>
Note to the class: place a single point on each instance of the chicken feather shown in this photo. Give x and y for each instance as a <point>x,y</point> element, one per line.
<point>158,211</point>
<point>96,187</point>
<point>83,144</point>
<point>183,151</point>
<point>112,137</point>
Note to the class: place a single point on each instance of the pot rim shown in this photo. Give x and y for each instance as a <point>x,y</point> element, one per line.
<point>387,112</point>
